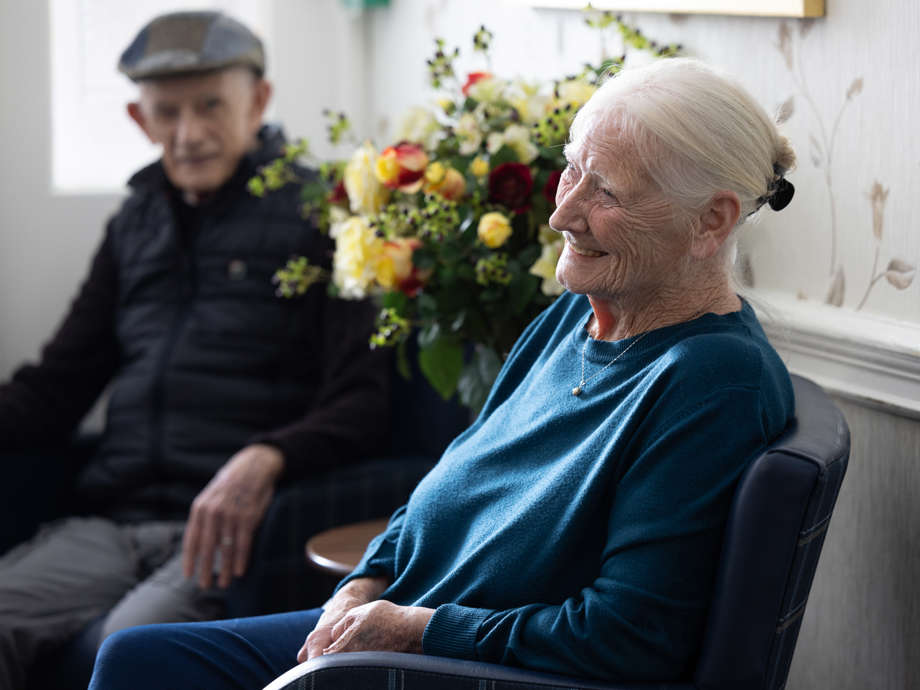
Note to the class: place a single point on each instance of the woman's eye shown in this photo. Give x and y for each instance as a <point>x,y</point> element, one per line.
<point>609,194</point>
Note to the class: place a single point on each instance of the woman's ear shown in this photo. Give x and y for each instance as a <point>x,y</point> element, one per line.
<point>716,222</point>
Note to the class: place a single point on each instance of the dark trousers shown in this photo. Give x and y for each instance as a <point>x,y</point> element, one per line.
<point>236,654</point>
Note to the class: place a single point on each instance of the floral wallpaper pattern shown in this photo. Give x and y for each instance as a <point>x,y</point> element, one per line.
<point>898,272</point>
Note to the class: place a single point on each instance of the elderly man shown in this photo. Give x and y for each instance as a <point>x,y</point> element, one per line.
<point>219,390</point>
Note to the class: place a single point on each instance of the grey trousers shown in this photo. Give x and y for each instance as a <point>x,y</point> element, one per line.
<point>78,569</point>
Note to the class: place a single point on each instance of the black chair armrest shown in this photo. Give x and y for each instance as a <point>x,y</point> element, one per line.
<point>374,670</point>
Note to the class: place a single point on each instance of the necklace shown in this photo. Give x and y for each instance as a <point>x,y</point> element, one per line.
<point>577,390</point>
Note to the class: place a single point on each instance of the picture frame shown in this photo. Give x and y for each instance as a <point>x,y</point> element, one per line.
<point>759,8</point>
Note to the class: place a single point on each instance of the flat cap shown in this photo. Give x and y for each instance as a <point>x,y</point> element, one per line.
<point>182,43</point>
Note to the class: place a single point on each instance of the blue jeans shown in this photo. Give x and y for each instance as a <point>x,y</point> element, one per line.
<point>244,653</point>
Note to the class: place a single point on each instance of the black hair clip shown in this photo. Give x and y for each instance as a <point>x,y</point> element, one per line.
<point>782,194</point>
<point>780,191</point>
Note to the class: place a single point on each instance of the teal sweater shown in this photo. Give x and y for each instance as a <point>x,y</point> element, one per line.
<point>581,535</point>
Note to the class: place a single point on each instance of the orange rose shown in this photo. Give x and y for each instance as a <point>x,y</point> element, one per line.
<point>446,182</point>
<point>395,268</point>
<point>402,166</point>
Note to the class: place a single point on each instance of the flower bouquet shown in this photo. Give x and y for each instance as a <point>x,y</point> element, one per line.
<point>448,226</point>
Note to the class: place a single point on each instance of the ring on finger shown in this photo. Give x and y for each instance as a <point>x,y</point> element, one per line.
<point>227,541</point>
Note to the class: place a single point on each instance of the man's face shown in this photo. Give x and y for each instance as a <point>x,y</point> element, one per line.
<point>204,123</point>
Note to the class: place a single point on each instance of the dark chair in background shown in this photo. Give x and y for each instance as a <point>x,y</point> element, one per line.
<point>779,517</point>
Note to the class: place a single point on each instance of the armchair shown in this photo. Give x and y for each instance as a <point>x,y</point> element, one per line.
<point>775,531</point>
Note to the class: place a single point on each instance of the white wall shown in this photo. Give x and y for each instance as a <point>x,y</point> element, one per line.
<point>315,56</point>
<point>45,240</point>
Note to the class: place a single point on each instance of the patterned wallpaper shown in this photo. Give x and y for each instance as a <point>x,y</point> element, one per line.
<point>846,88</point>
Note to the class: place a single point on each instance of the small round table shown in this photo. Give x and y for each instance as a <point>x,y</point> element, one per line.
<point>338,550</point>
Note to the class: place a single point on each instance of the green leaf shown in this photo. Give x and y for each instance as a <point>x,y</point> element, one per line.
<point>441,362</point>
<point>504,155</point>
<point>522,289</point>
<point>428,335</point>
<point>395,300</point>
<point>477,377</point>
<point>423,258</point>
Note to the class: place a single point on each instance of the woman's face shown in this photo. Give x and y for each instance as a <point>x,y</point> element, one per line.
<point>622,242</point>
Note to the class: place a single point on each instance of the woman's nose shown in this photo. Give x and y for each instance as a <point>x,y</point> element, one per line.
<point>569,214</point>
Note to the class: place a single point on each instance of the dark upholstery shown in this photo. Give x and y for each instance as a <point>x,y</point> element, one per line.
<point>279,578</point>
<point>774,536</point>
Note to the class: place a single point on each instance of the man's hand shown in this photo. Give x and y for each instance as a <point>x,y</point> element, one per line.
<point>225,514</point>
<point>354,594</point>
<point>380,626</point>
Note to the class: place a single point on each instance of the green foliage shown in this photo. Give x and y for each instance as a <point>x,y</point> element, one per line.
<point>417,247</point>
<point>441,361</point>
<point>297,276</point>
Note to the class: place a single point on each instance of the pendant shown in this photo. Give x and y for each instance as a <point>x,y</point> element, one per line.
<point>576,391</point>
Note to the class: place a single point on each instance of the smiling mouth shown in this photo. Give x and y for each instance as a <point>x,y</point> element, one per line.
<point>581,251</point>
<point>197,160</point>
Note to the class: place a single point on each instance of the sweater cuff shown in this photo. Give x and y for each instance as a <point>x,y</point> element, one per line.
<point>453,630</point>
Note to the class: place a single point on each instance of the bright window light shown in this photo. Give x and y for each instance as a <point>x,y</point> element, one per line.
<point>95,145</point>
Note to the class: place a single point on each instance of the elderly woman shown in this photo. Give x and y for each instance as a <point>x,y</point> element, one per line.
<point>575,527</point>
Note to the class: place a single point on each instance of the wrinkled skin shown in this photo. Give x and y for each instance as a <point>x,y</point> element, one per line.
<point>642,261</point>
<point>204,124</point>
<point>356,620</point>
<point>226,514</point>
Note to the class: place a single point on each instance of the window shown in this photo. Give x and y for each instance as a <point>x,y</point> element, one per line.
<point>95,146</point>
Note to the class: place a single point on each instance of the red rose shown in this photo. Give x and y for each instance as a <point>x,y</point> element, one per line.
<point>511,184</point>
<point>338,195</point>
<point>549,189</point>
<point>472,78</point>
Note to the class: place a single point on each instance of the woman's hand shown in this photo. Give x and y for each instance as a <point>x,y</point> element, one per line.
<point>380,626</point>
<point>352,595</point>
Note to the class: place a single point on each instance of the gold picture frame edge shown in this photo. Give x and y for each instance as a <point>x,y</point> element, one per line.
<point>808,8</point>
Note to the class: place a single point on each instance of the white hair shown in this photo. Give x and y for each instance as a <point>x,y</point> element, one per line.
<point>696,131</point>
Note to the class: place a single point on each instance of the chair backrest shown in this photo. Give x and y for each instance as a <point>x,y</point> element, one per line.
<point>775,532</point>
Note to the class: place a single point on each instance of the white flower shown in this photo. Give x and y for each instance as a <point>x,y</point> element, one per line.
<point>420,126</point>
<point>575,91</point>
<point>469,134</point>
<point>517,138</point>
<point>545,266</point>
<point>488,90</point>
<point>530,100</point>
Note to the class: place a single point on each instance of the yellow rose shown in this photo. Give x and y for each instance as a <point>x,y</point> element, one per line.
<point>365,193</point>
<point>494,229</point>
<point>357,255</point>
<point>479,167</point>
<point>435,173</point>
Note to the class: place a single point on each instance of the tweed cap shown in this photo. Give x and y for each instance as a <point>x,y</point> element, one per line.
<point>182,43</point>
